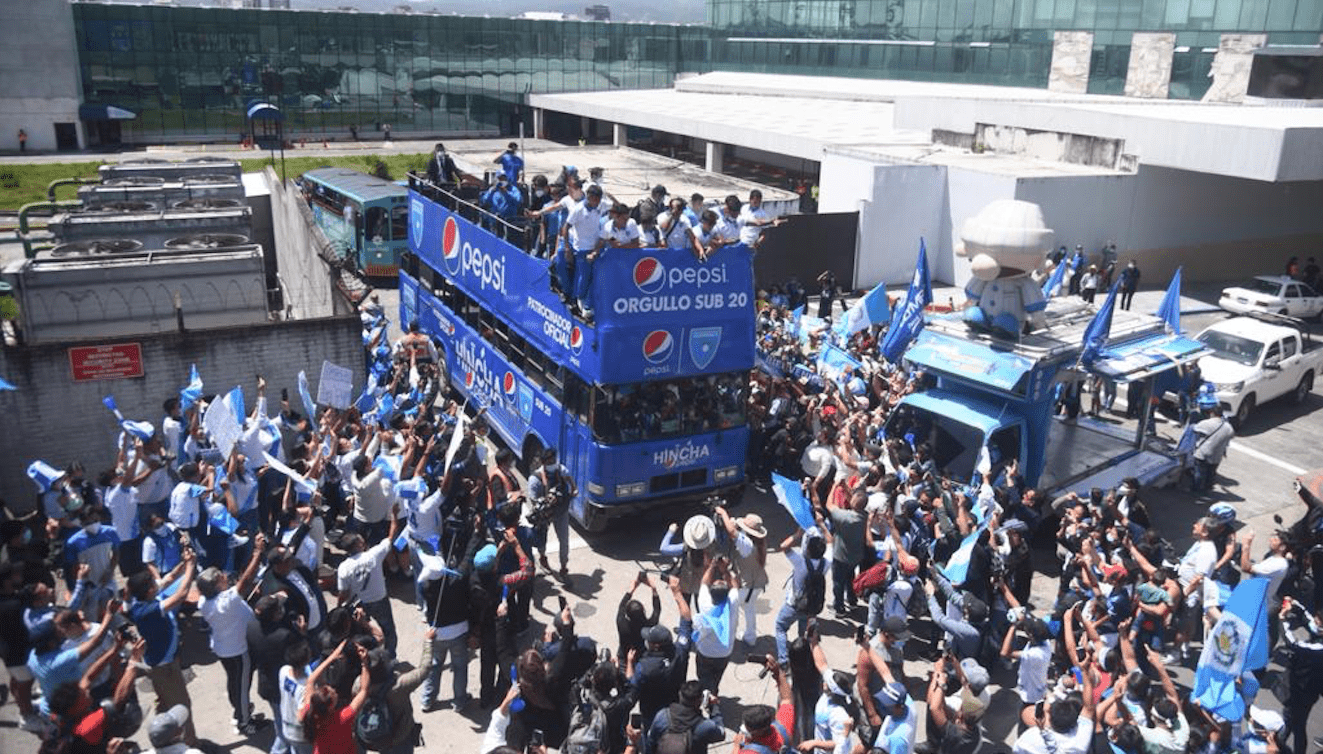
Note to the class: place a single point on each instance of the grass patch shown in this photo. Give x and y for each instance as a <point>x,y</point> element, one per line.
<point>22,184</point>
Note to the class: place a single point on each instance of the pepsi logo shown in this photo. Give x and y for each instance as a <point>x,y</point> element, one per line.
<point>450,246</point>
<point>649,275</point>
<point>658,345</point>
<point>468,379</point>
<point>508,384</point>
<point>576,340</point>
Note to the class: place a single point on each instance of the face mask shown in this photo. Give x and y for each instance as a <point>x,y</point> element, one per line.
<point>539,193</point>
<point>93,528</point>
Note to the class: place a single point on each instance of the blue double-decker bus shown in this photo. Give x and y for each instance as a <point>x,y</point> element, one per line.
<point>646,406</point>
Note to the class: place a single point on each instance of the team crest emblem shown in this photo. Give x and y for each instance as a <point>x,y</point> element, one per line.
<point>703,345</point>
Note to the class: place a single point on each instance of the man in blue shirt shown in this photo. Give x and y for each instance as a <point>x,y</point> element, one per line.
<point>96,546</point>
<point>155,619</point>
<point>53,667</point>
<point>512,165</point>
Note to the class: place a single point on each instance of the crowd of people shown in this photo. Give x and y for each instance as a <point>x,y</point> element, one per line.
<point>276,545</point>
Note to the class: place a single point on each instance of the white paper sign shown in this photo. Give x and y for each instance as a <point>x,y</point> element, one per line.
<point>336,386</point>
<point>221,424</point>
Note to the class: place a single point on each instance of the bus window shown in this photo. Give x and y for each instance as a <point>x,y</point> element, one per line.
<point>658,410</point>
<point>374,225</point>
<point>399,223</point>
<point>577,398</point>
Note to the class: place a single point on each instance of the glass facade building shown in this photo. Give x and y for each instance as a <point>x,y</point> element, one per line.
<point>189,72</point>
<point>1006,42</point>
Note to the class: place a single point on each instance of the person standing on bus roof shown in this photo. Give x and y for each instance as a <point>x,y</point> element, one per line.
<point>618,232</point>
<point>504,199</point>
<point>551,480</point>
<point>676,230</point>
<point>512,165</point>
<point>583,228</point>
<point>753,218</point>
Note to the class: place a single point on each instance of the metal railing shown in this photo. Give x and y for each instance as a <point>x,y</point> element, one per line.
<point>520,232</point>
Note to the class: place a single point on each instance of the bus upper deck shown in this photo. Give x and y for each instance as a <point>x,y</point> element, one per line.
<point>660,313</point>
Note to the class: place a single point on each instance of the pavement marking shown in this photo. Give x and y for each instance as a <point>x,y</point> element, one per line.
<point>1260,455</point>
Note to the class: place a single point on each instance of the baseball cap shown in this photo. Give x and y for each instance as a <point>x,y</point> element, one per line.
<point>975,675</point>
<point>1015,524</point>
<point>659,635</point>
<point>485,559</point>
<point>891,695</point>
<point>896,626</point>
<point>1269,720</point>
<point>167,726</point>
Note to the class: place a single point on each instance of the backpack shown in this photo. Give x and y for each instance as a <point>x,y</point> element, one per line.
<point>675,741</point>
<point>786,746</point>
<point>587,728</point>
<point>873,578</point>
<point>813,594</point>
<point>374,727</point>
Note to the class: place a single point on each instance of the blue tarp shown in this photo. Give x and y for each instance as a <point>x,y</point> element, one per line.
<point>974,362</point>
<point>1145,357</point>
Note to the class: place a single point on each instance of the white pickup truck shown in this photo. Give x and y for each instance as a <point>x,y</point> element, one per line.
<point>1255,360</point>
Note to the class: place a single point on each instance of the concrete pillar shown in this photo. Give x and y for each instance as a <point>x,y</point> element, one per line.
<point>620,134</point>
<point>1149,74</point>
<point>713,152</point>
<point>1072,53</point>
<point>585,129</point>
<point>539,123</point>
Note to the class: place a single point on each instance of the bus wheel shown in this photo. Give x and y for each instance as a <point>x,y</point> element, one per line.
<point>529,456</point>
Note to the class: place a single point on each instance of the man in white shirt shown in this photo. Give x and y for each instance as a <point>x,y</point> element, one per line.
<point>676,230</point>
<point>753,218</point>
<point>226,611</point>
<point>1034,659</point>
<point>1196,565</point>
<point>360,577</point>
<point>819,462</point>
<point>619,231</point>
<point>715,624</point>
<point>582,230</point>
<point>1273,567</point>
<point>727,229</point>
<point>1065,727</point>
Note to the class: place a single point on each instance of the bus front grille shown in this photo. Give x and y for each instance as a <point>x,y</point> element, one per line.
<point>677,480</point>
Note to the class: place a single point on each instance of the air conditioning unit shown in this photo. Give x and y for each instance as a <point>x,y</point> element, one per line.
<point>96,246</point>
<point>203,203</point>
<point>134,180</point>
<point>120,208</point>
<point>206,241</point>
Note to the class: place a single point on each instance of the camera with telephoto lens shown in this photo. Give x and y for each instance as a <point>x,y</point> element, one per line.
<point>552,505</point>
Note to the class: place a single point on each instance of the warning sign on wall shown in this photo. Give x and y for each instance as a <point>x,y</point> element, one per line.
<point>115,362</point>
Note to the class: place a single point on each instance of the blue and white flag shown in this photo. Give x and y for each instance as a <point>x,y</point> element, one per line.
<point>1186,444</point>
<point>795,316</point>
<point>191,392</point>
<point>1238,643</point>
<point>142,430</point>
<point>309,405</point>
<point>6,384</point>
<point>906,326</point>
<point>1058,276</point>
<point>300,481</point>
<point>389,465</point>
<point>832,362</point>
<point>411,489</point>
<point>957,568</point>
<point>791,497</point>
<point>870,310</point>
<point>1095,336</point>
<point>235,401</point>
<point>221,519</point>
<point>43,475</point>
<point>368,399</point>
<point>109,402</point>
<point>1169,311</point>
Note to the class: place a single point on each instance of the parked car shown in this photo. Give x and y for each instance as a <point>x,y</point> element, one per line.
<point>1275,294</point>
<point>1255,361</point>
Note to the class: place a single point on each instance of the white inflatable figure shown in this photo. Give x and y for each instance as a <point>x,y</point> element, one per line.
<point>1005,243</point>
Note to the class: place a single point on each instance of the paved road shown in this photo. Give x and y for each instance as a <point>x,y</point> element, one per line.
<point>1279,441</point>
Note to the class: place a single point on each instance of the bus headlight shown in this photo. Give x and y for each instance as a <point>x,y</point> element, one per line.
<point>726,474</point>
<point>631,489</point>
<point>596,489</point>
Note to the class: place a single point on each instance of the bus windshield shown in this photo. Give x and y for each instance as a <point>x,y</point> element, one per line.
<point>671,408</point>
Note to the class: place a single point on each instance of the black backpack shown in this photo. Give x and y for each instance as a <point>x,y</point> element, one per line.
<point>374,727</point>
<point>813,593</point>
<point>674,741</point>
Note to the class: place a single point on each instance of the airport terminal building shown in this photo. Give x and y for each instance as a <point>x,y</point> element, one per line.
<point>1182,130</point>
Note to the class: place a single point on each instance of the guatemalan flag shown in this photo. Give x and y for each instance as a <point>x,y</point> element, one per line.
<point>870,310</point>
<point>1237,644</point>
<point>957,568</point>
<point>1170,308</point>
<point>791,497</point>
<point>1099,329</point>
<point>910,320</point>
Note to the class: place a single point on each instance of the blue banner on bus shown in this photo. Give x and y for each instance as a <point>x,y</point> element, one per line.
<point>667,314</point>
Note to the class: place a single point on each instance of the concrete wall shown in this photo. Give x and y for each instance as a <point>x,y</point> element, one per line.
<point>1149,74</point>
<point>52,418</point>
<point>1217,228</point>
<point>38,72</point>
<point>307,279</point>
